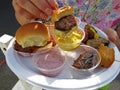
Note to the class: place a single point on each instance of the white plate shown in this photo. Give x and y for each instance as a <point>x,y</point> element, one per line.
<point>24,68</point>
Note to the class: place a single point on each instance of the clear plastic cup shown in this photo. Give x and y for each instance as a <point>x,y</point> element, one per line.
<point>49,63</point>
<point>92,57</point>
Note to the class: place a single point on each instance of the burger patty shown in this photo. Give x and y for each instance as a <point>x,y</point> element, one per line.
<point>66,23</point>
<point>31,49</point>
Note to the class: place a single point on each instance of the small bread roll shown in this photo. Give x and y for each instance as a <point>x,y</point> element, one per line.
<point>32,34</point>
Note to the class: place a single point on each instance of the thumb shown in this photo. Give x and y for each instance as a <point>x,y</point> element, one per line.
<point>111,33</point>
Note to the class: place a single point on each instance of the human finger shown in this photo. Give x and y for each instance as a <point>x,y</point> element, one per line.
<point>118,31</point>
<point>112,34</point>
<point>24,16</point>
<point>22,19</point>
<point>53,4</point>
<point>43,6</point>
<point>31,8</point>
<point>21,15</point>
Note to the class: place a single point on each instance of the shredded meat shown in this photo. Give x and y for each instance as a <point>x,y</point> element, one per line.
<point>66,23</point>
<point>85,60</point>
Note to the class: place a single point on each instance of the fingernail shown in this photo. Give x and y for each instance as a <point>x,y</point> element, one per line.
<point>56,6</point>
<point>113,39</point>
<point>48,11</point>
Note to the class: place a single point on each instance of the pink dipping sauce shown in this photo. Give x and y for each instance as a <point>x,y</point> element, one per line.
<point>50,63</point>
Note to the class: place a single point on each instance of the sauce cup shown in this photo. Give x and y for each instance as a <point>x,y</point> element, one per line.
<point>88,60</point>
<point>49,63</point>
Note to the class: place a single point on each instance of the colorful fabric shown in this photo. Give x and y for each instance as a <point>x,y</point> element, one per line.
<point>101,13</point>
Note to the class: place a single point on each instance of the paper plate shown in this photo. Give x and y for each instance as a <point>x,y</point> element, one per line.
<point>24,68</point>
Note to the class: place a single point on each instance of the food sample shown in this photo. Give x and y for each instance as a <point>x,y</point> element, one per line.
<point>92,32</point>
<point>50,63</point>
<point>66,31</point>
<point>101,44</point>
<point>92,38</point>
<point>32,37</point>
<point>85,60</point>
<point>107,56</point>
<point>64,19</point>
<point>96,42</point>
<point>88,59</point>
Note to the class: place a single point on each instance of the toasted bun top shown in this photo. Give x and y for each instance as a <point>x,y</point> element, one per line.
<point>62,12</point>
<point>32,34</point>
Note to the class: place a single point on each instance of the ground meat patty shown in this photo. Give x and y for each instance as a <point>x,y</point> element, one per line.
<point>66,23</point>
<point>31,49</point>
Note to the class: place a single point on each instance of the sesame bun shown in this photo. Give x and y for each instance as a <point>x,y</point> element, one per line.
<point>62,12</point>
<point>32,34</point>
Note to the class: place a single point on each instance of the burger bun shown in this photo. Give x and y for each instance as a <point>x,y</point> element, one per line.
<point>32,34</point>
